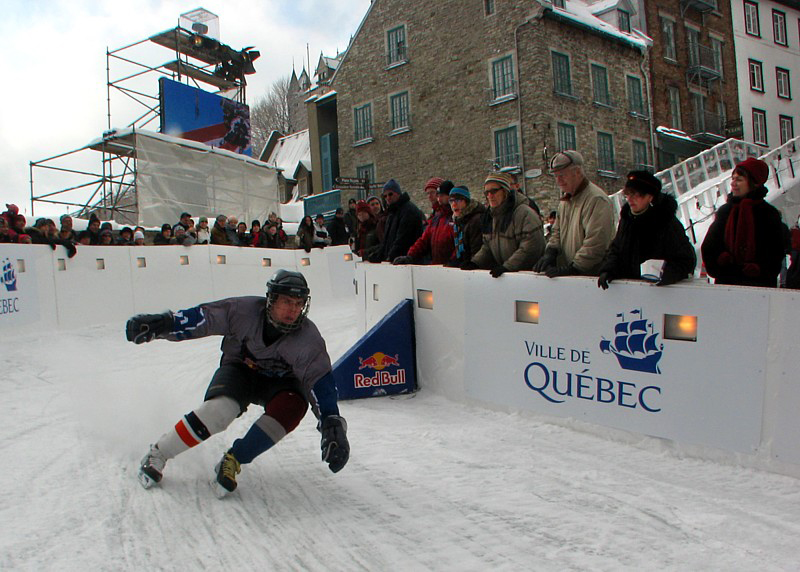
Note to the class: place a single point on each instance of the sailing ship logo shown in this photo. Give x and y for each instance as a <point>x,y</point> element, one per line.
<point>635,343</point>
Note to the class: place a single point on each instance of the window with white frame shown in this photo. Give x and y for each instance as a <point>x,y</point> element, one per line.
<point>565,134</point>
<point>506,147</point>
<point>674,98</point>
<point>396,48</point>
<point>779,27</point>
<point>562,78</point>
<point>399,111</point>
<point>605,152</point>
<point>751,23</point>
<point>786,124</point>
<point>503,83</point>
<point>362,123</point>
<point>624,20</point>
<point>759,126</point>
<point>756,75</point>
<point>639,155</point>
<point>635,97</point>
<point>600,90</point>
<point>668,38</point>
<point>782,81</point>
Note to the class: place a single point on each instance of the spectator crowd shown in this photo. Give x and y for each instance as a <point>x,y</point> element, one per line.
<point>746,244</point>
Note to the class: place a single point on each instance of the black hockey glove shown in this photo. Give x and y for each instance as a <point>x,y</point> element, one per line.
<point>566,270</point>
<point>335,448</point>
<point>498,271</point>
<point>604,280</point>
<point>547,260</point>
<point>146,327</point>
<point>403,260</point>
<point>469,265</point>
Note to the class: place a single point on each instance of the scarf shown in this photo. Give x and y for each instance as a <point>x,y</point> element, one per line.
<point>740,231</point>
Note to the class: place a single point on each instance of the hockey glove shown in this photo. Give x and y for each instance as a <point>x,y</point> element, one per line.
<point>335,448</point>
<point>547,260</point>
<point>498,270</point>
<point>566,270</point>
<point>146,327</point>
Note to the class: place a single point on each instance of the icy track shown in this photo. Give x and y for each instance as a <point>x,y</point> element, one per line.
<point>431,485</point>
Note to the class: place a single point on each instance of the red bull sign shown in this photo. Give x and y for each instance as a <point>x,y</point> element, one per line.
<point>383,361</point>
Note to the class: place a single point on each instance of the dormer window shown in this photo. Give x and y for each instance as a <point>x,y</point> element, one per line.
<point>559,4</point>
<point>624,20</point>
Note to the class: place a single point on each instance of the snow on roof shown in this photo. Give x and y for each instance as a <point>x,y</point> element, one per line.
<point>326,96</point>
<point>332,63</point>
<point>582,14</point>
<point>289,151</point>
<point>603,5</point>
<point>673,132</point>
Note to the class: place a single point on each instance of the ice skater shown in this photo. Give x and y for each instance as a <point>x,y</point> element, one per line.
<point>272,356</point>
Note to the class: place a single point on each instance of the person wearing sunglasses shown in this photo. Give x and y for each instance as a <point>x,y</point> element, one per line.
<point>403,224</point>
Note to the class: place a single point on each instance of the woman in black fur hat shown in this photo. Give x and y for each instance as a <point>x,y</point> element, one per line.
<point>648,230</point>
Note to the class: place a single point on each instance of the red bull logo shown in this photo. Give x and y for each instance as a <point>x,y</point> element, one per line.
<point>378,361</point>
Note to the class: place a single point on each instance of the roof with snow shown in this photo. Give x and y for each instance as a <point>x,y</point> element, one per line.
<point>290,151</point>
<point>583,15</point>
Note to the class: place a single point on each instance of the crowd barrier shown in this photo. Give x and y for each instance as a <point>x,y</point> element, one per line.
<point>43,289</point>
<point>712,370</point>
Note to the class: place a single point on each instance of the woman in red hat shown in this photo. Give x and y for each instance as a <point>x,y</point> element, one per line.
<point>745,243</point>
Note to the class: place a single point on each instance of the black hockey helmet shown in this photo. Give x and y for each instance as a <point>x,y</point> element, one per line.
<point>289,283</point>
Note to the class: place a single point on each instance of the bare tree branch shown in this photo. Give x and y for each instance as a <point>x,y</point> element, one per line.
<point>270,113</point>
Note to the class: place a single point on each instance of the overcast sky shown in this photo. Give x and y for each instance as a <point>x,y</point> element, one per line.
<point>53,66</point>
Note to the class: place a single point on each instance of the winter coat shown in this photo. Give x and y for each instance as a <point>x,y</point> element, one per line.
<point>403,227</point>
<point>762,264</point>
<point>436,241</point>
<point>655,234</point>
<point>337,230</point>
<point>367,237</point>
<point>305,237</point>
<point>351,223</point>
<point>161,240</point>
<point>584,229</point>
<point>467,232</point>
<point>218,235</point>
<point>512,235</point>
<point>233,234</point>
<point>321,236</point>
<point>272,241</point>
<point>203,236</point>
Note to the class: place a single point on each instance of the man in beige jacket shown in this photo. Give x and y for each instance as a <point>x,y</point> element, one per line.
<point>584,227</point>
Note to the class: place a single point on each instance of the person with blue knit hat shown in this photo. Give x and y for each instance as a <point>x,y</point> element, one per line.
<point>467,233</point>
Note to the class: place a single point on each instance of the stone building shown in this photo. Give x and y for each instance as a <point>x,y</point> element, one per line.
<point>694,76</point>
<point>455,88</point>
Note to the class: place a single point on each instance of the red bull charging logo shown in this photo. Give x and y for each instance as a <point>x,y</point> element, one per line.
<point>378,362</point>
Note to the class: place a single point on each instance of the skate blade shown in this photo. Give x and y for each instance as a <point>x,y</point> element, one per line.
<point>220,491</point>
<point>145,480</point>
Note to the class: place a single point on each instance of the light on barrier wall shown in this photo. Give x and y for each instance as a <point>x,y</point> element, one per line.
<point>526,312</point>
<point>184,260</point>
<point>141,262</point>
<point>348,256</point>
<point>305,262</point>
<point>61,264</point>
<point>221,259</point>
<point>265,262</point>
<point>101,264</point>
<point>679,327</point>
<point>425,299</point>
<point>375,292</point>
<point>20,265</point>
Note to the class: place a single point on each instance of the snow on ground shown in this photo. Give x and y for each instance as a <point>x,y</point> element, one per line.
<point>431,485</point>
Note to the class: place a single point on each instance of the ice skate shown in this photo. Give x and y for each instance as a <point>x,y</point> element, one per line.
<point>226,470</point>
<point>152,467</point>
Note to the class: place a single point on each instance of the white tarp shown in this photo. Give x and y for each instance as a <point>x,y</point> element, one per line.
<point>173,178</point>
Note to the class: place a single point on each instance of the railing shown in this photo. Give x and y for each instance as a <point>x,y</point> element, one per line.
<point>708,122</point>
<point>703,61</point>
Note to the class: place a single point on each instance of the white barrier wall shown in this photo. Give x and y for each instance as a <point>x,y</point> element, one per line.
<point>734,389</point>
<point>44,289</point>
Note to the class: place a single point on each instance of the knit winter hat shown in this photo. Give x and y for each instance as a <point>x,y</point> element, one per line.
<point>445,188</point>
<point>138,234</point>
<point>756,168</point>
<point>462,192</point>
<point>643,182</point>
<point>502,179</point>
<point>391,185</point>
<point>362,206</point>
<point>433,183</point>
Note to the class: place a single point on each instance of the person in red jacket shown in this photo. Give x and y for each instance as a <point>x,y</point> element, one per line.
<point>436,244</point>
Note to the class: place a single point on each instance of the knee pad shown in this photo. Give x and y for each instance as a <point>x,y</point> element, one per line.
<point>287,408</point>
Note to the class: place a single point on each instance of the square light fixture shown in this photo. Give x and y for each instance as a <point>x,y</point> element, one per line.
<point>680,327</point>
<point>61,264</point>
<point>101,264</point>
<point>425,299</point>
<point>20,265</point>
<point>141,262</point>
<point>348,256</point>
<point>526,312</point>
<point>266,262</point>
<point>184,260</point>
<point>375,292</point>
<point>221,259</point>
<point>305,262</point>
